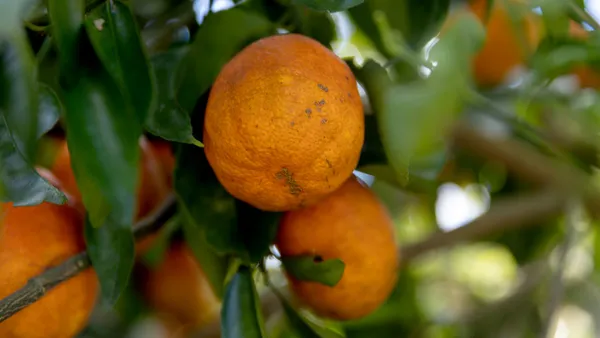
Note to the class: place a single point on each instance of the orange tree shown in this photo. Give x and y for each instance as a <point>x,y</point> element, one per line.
<point>284,163</point>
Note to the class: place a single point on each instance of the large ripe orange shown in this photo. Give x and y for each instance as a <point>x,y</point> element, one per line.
<point>350,224</point>
<point>587,76</point>
<point>178,291</point>
<point>153,186</point>
<point>508,44</point>
<point>33,239</point>
<point>284,124</point>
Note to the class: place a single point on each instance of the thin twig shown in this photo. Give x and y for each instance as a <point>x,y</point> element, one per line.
<point>39,285</point>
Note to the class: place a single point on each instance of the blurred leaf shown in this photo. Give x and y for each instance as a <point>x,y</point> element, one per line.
<point>314,269</point>
<point>154,255</point>
<point>412,118</point>
<point>214,266</point>
<point>240,315</point>
<point>257,229</point>
<point>559,56</point>
<point>169,120</point>
<point>556,17</point>
<point>330,5</point>
<point>116,39</point>
<point>218,39</point>
<point>317,25</point>
<point>210,208</point>
<point>50,109</point>
<point>67,30</point>
<point>111,250</point>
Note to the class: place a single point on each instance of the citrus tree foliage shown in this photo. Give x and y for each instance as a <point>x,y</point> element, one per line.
<point>105,73</point>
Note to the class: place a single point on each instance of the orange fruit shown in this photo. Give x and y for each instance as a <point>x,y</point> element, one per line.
<point>284,124</point>
<point>508,44</point>
<point>153,186</point>
<point>33,239</point>
<point>350,224</point>
<point>178,291</point>
<point>587,76</point>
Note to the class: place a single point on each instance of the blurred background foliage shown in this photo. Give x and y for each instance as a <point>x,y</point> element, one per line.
<point>501,286</point>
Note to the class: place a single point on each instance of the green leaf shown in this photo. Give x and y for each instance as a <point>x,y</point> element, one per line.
<point>67,30</point>
<point>19,107</point>
<point>242,230</point>
<point>297,323</point>
<point>317,25</point>
<point>214,266</point>
<point>410,22</point>
<point>50,109</point>
<point>210,208</point>
<point>116,39</point>
<point>160,244</point>
<point>314,269</point>
<point>330,5</point>
<point>412,118</point>
<point>240,314</point>
<point>19,181</point>
<point>19,96</point>
<point>218,39</point>
<point>372,151</point>
<point>257,229</point>
<point>112,251</point>
<point>169,120</point>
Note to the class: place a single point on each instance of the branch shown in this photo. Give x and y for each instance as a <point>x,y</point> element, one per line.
<point>39,285</point>
<point>506,214</point>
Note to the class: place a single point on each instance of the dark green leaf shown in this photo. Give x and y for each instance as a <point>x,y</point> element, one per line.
<point>299,326</point>
<point>104,149</point>
<point>318,25</point>
<point>210,208</point>
<point>67,29</point>
<point>213,265</point>
<point>330,5</point>
<point>415,21</point>
<point>362,16</point>
<point>274,10</point>
<point>372,151</point>
<point>313,268</point>
<point>219,38</point>
<point>50,109</point>
<point>160,244</point>
<point>169,120</point>
<point>19,181</point>
<point>18,96</point>
<point>240,314</point>
<point>116,39</point>
<point>257,229</point>
<point>112,252</point>
<point>108,127</point>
